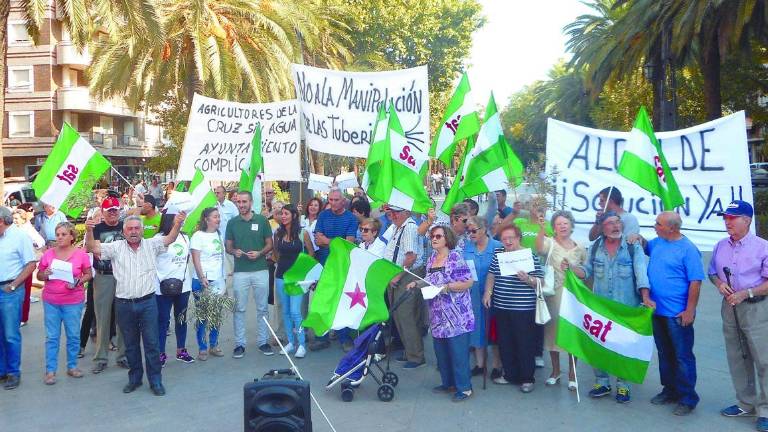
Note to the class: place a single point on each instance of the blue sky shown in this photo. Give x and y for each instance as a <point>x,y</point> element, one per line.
<point>520,41</point>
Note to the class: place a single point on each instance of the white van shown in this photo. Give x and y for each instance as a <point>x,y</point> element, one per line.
<point>21,188</point>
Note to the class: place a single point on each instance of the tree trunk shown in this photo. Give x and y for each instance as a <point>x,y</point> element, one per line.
<point>5,10</point>
<point>656,77</point>
<point>710,69</point>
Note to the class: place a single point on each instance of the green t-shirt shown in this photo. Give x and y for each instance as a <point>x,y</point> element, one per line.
<point>530,231</point>
<point>151,225</point>
<point>249,235</point>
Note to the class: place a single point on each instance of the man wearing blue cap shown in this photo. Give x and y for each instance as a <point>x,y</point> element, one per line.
<point>739,270</point>
<point>620,274</point>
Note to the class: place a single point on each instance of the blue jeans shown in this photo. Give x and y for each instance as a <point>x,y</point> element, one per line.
<point>677,364</point>
<point>291,308</point>
<point>179,304</point>
<point>453,361</point>
<point>342,334</point>
<point>137,321</point>
<point>213,336</point>
<point>10,335</point>
<point>55,315</point>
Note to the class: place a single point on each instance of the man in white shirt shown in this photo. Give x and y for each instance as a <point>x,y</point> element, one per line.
<point>134,264</point>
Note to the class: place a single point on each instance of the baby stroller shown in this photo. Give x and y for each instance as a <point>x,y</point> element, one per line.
<point>368,353</point>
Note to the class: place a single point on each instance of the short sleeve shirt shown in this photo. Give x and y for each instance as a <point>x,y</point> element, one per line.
<point>151,225</point>
<point>135,270</point>
<point>55,291</point>
<point>332,225</point>
<point>530,230</point>
<point>15,253</point>
<point>249,235</point>
<point>671,268</point>
<point>211,254</point>
<point>106,234</point>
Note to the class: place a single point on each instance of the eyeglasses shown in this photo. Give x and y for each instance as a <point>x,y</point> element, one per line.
<point>436,236</point>
<point>112,210</point>
<point>269,193</point>
<point>464,220</point>
<point>474,231</point>
<point>366,230</point>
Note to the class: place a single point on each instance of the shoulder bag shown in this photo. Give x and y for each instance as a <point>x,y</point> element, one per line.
<point>542,311</point>
<point>173,286</point>
<point>548,283</point>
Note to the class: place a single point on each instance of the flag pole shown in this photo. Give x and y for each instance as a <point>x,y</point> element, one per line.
<point>121,176</point>
<point>607,198</point>
<point>575,377</point>
<point>293,366</point>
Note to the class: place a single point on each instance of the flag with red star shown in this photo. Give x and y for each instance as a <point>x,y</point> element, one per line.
<point>350,291</point>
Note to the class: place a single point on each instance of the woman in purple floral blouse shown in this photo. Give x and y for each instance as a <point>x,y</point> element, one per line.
<point>450,313</point>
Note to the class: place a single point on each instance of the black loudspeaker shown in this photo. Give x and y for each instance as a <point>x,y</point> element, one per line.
<point>277,405</point>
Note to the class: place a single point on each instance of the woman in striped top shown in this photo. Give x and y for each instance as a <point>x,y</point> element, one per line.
<point>512,300</point>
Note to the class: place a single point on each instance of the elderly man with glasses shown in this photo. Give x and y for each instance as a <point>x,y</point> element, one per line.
<point>739,270</point>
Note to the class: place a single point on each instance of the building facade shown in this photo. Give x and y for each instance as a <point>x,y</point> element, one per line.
<point>47,85</point>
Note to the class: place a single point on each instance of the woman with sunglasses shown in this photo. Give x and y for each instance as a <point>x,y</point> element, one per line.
<point>478,254</point>
<point>450,313</point>
<point>513,302</point>
<point>63,301</point>
<point>369,231</point>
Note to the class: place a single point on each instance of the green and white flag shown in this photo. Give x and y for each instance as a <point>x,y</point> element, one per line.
<point>644,163</point>
<point>351,289</point>
<point>298,277</point>
<point>73,166</point>
<point>489,164</point>
<point>250,178</point>
<point>202,197</point>
<point>376,153</point>
<point>460,121</point>
<point>608,335</point>
<point>402,168</point>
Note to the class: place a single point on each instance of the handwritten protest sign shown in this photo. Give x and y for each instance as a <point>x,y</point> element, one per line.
<point>710,163</point>
<point>219,135</point>
<point>338,109</point>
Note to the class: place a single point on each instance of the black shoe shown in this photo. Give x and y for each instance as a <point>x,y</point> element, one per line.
<point>682,410</point>
<point>495,373</point>
<point>266,349</point>
<point>662,399</point>
<point>3,378</point>
<point>130,387</point>
<point>123,363</point>
<point>239,352</point>
<point>477,370</point>
<point>11,382</point>
<point>99,368</point>
<point>158,390</point>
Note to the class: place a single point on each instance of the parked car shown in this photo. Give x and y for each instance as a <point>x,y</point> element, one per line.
<point>759,177</point>
<point>22,189</point>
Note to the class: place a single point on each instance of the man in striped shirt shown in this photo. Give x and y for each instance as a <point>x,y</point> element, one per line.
<point>134,264</point>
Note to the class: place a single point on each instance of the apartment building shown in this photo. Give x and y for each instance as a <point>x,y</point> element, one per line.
<point>47,85</point>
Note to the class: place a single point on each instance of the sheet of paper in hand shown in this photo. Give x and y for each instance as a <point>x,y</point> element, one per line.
<point>62,270</point>
<point>512,262</point>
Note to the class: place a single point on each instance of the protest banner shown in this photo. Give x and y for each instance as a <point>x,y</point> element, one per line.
<point>710,163</point>
<point>339,109</point>
<point>219,133</point>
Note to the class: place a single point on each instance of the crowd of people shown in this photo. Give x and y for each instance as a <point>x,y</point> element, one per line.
<point>483,320</point>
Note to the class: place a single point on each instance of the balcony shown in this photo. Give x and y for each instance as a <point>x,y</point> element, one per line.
<point>80,99</point>
<point>68,54</point>
<point>112,141</point>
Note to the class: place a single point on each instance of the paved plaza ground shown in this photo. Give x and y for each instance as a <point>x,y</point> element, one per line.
<point>208,395</point>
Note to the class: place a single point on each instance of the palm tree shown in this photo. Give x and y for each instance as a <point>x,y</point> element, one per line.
<point>227,49</point>
<point>709,30</point>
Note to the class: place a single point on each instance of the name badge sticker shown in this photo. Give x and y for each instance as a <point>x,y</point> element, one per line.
<point>254,227</point>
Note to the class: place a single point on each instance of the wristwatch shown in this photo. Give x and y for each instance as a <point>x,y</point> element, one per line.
<point>751,294</point>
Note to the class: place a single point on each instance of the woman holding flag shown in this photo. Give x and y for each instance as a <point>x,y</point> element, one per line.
<point>289,242</point>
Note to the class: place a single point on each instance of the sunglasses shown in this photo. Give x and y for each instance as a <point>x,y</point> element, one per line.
<point>436,236</point>
<point>474,231</point>
<point>366,230</point>
<point>456,218</point>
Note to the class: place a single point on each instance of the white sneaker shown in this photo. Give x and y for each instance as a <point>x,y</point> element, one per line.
<point>539,362</point>
<point>288,349</point>
<point>301,352</point>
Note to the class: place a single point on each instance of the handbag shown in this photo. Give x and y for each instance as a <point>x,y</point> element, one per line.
<point>548,284</point>
<point>542,311</point>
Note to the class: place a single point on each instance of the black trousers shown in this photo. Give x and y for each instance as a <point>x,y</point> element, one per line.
<point>516,332</point>
<point>139,324</point>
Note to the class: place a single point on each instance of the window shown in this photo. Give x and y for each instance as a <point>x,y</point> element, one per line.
<point>17,33</point>
<point>20,124</point>
<point>20,79</point>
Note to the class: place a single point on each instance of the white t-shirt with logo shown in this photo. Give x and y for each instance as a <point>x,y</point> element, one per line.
<point>175,263</point>
<point>211,254</point>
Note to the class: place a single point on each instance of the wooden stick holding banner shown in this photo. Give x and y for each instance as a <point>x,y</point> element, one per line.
<point>575,377</point>
<point>607,198</point>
